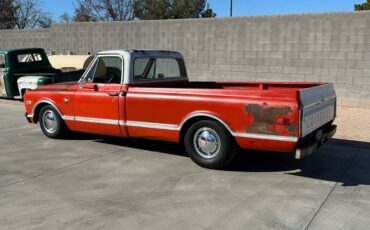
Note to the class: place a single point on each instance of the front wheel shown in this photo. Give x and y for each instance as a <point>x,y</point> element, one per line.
<point>51,123</point>
<point>209,144</point>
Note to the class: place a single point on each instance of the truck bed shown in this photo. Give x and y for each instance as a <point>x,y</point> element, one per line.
<point>316,100</point>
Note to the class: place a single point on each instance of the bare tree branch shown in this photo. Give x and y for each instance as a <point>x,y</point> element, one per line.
<point>107,10</point>
<point>29,14</point>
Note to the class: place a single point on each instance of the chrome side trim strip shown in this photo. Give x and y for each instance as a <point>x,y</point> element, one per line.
<point>47,102</point>
<point>97,120</point>
<point>266,137</point>
<point>68,118</point>
<point>152,125</point>
<point>204,114</point>
<point>173,127</point>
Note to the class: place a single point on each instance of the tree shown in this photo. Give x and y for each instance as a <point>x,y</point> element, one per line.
<point>171,9</point>
<point>7,12</point>
<point>208,13</point>
<point>83,15</point>
<point>104,10</point>
<point>152,9</point>
<point>65,18</point>
<point>29,14</point>
<point>363,6</point>
<point>45,21</point>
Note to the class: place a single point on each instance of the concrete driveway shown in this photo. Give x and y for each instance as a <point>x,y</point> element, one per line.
<point>92,182</point>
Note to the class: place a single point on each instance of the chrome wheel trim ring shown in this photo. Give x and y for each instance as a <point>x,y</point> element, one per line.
<point>49,121</point>
<point>207,143</point>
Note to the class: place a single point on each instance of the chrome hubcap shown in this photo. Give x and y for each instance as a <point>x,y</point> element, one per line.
<point>207,143</point>
<point>49,121</point>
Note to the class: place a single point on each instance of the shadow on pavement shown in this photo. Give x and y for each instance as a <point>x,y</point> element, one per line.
<point>339,160</point>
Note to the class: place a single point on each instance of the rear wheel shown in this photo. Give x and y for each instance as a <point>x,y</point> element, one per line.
<point>51,123</point>
<point>209,144</point>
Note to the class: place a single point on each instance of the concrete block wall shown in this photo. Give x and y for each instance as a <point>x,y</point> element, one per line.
<point>310,47</point>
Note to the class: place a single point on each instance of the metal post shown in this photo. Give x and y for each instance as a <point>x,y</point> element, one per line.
<point>231,8</point>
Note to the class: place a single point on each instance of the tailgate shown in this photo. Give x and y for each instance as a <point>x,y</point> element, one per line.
<point>318,107</point>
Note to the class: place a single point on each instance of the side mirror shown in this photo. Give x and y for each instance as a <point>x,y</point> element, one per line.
<point>94,87</point>
<point>2,66</point>
<point>83,85</point>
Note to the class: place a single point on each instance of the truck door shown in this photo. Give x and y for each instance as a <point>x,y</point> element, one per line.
<point>99,103</point>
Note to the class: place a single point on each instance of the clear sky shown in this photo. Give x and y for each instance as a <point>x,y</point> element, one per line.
<point>241,7</point>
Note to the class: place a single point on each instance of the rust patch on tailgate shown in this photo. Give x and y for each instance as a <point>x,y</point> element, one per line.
<point>265,120</point>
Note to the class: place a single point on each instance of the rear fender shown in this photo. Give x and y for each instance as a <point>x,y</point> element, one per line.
<point>32,82</point>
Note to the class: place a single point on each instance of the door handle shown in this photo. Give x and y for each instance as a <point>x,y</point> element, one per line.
<point>112,94</point>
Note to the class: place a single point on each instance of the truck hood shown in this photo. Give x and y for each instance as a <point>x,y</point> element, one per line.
<point>59,86</point>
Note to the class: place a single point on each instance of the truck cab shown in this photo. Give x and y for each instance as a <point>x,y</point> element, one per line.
<point>26,69</point>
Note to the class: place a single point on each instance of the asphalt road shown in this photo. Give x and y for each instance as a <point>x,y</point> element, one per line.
<point>93,182</point>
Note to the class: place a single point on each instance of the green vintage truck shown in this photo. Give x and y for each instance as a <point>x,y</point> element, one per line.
<point>26,69</point>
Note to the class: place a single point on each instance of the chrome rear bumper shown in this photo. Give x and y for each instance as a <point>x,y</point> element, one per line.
<point>308,147</point>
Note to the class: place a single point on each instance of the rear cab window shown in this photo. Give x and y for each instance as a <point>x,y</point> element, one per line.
<point>29,57</point>
<point>151,68</point>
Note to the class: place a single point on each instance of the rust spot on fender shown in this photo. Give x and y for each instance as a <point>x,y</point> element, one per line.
<point>265,119</point>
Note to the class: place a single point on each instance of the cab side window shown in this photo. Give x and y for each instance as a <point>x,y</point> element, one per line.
<point>106,70</point>
<point>158,68</point>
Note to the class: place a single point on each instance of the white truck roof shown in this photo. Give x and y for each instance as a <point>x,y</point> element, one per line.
<point>129,56</point>
<point>144,53</point>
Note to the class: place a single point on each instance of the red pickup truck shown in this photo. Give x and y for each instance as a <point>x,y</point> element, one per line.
<point>146,94</point>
